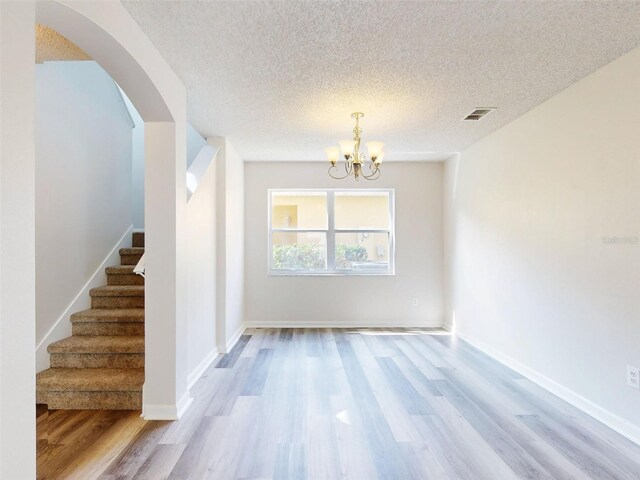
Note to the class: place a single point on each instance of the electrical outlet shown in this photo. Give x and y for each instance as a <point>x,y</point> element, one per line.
<point>415,301</point>
<point>633,377</point>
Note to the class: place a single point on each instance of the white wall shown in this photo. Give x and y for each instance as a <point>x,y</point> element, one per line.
<point>534,279</point>
<point>235,245</point>
<point>230,243</point>
<point>201,281</point>
<point>17,233</point>
<point>350,300</point>
<point>137,164</point>
<point>83,181</point>
<point>195,142</point>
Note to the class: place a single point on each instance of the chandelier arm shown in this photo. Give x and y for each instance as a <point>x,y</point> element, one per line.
<point>372,177</point>
<point>375,174</point>
<point>333,176</point>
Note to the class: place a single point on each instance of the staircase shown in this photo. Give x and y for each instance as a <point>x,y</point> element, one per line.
<point>101,366</point>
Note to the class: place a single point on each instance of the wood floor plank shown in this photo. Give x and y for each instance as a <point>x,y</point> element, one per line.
<point>389,399</point>
<point>131,459</point>
<point>314,346</point>
<point>74,442</point>
<point>413,402</point>
<point>160,463</point>
<point>228,360</point>
<point>509,449</point>
<point>322,456</point>
<point>254,344</point>
<point>209,399</point>
<point>195,457</point>
<point>527,389</point>
<point>385,451</point>
<point>290,462</point>
<point>92,461</point>
<point>223,399</point>
<point>259,442</point>
<point>591,461</point>
<point>258,374</point>
<point>224,459</point>
<point>356,458</point>
<point>353,404</point>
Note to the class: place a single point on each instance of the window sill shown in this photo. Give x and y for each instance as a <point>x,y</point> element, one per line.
<point>293,273</point>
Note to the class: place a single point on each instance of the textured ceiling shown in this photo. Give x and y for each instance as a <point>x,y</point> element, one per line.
<point>280,79</point>
<point>50,45</point>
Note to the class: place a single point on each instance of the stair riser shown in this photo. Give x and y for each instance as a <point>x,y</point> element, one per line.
<point>138,239</point>
<point>130,259</point>
<point>128,279</point>
<point>91,400</point>
<point>117,302</point>
<point>97,360</point>
<point>113,328</point>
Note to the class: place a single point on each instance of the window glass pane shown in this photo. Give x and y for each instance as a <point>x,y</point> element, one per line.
<point>299,250</point>
<point>299,210</point>
<point>362,251</point>
<point>362,210</point>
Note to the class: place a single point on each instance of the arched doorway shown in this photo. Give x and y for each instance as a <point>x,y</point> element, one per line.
<point>110,36</point>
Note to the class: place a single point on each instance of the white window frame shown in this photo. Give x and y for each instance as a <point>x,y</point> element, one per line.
<point>331,234</point>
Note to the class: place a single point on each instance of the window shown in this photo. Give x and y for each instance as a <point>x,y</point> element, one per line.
<point>331,232</point>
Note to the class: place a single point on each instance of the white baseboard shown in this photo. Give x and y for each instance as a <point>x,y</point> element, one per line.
<point>235,337</point>
<point>167,412</point>
<point>62,327</point>
<point>611,420</point>
<point>201,368</point>
<point>334,324</point>
<point>233,340</point>
<point>184,404</point>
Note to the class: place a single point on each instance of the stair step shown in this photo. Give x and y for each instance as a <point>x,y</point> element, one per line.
<point>106,315</point>
<point>123,275</point>
<point>138,239</point>
<point>99,344</point>
<point>116,351</point>
<point>90,389</point>
<point>117,296</point>
<point>118,291</point>
<point>110,322</point>
<point>96,361</point>
<point>131,256</point>
<point>107,328</point>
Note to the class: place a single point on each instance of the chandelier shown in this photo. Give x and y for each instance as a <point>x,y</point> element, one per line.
<point>354,160</point>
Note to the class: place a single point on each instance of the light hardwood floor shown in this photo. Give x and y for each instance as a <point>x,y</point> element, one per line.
<point>345,404</point>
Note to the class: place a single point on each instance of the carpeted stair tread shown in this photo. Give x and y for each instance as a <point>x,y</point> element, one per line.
<point>91,379</point>
<point>99,344</point>
<point>118,291</point>
<point>132,251</point>
<point>123,275</point>
<point>109,315</point>
<point>120,270</point>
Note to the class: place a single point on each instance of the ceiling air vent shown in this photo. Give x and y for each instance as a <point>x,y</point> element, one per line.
<point>479,113</point>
